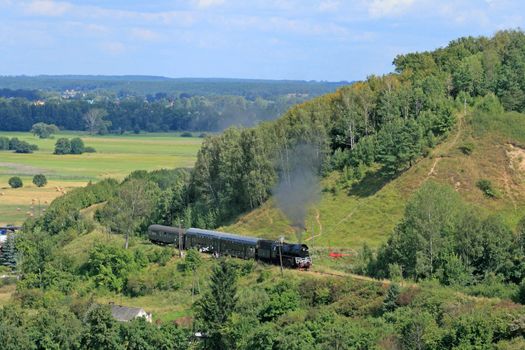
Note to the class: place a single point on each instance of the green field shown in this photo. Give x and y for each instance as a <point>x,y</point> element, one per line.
<point>116,157</point>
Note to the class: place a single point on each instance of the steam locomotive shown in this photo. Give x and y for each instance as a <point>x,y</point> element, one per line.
<point>244,247</point>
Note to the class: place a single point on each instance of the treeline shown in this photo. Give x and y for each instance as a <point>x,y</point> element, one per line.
<point>134,114</point>
<point>148,86</point>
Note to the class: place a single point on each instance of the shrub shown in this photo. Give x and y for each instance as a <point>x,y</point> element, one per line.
<point>15,182</point>
<point>24,147</point>
<point>467,148</point>
<point>39,180</point>
<point>89,150</point>
<point>63,146</point>
<point>486,187</point>
<point>203,135</point>
<point>77,146</point>
<point>44,130</point>
<point>186,134</point>
<point>4,143</point>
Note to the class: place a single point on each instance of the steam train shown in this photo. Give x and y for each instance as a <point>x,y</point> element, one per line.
<point>221,243</point>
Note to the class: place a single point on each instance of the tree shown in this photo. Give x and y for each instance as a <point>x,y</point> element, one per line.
<point>94,121</point>
<point>63,146</point>
<point>15,182</point>
<point>24,147</point>
<point>8,252</point>
<point>44,130</point>
<point>39,180</point>
<point>101,331</point>
<point>215,308</point>
<point>134,202</point>
<point>77,146</point>
<point>390,303</point>
<point>109,266</point>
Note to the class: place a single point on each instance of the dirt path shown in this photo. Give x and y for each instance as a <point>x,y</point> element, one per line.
<point>506,180</point>
<point>446,147</point>
<point>318,219</point>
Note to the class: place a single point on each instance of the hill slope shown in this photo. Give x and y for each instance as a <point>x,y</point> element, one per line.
<point>370,209</point>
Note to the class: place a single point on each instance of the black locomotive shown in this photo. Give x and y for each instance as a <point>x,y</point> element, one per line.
<point>244,247</point>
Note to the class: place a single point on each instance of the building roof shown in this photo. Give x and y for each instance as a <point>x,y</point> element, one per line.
<point>223,236</point>
<point>123,313</point>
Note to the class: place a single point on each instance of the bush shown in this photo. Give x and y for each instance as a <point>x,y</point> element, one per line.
<point>186,134</point>
<point>467,148</point>
<point>486,187</point>
<point>77,146</point>
<point>4,143</point>
<point>89,150</point>
<point>203,135</point>
<point>24,147</point>
<point>39,180</point>
<point>63,146</point>
<point>15,182</point>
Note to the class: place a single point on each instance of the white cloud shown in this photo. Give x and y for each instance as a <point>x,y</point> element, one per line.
<point>47,8</point>
<point>329,5</point>
<point>208,3</point>
<point>114,47</point>
<point>145,34</point>
<point>385,8</point>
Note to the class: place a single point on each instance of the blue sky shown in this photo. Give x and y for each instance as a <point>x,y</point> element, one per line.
<point>270,39</point>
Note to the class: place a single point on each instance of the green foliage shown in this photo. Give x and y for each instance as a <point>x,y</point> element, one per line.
<point>101,329</point>
<point>283,298</point>
<point>192,260</point>
<point>109,266</point>
<point>441,237</point>
<point>130,207</point>
<point>44,130</point>
<point>71,146</point>
<point>63,146</point>
<point>15,182</point>
<point>77,146</point>
<point>39,180</point>
<point>139,334</point>
<point>486,187</point>
<point>214,309</point>
<point>64,212</point>
<point>391,300</point>
<point>467,148</point>
<point>8,252</point>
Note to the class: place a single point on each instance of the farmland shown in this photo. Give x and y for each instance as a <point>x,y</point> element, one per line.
<point>116,157</point>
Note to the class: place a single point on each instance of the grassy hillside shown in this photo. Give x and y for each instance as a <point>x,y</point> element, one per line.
<point>116,157</point>
<point>370,209</point>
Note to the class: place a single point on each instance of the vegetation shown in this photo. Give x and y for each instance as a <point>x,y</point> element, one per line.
<point>16,145</point>
<point>44,130</point>
<point>71,146</point>
<point>116,157</point>
<point>15,182</point>
<point>39,180</point>
<point>456,269</point>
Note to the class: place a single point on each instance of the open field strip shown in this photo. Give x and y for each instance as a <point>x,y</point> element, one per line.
<point>116,157</point>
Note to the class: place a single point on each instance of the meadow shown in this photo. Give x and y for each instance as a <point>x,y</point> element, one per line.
<point>116,157</point>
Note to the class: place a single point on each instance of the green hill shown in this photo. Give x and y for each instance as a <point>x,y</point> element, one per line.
<point>368,210</point>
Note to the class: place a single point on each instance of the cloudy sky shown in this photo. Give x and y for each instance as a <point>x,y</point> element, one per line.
<point>272,39</point>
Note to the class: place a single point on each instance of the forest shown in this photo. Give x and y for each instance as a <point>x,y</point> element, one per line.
<point>445,260</point>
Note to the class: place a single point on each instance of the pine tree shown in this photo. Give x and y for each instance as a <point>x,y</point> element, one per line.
<point>8,252</point>
<point>390,302</point>
<point>216,306</point>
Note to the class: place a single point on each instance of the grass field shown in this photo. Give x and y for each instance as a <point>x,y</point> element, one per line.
<point>116,157</point>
